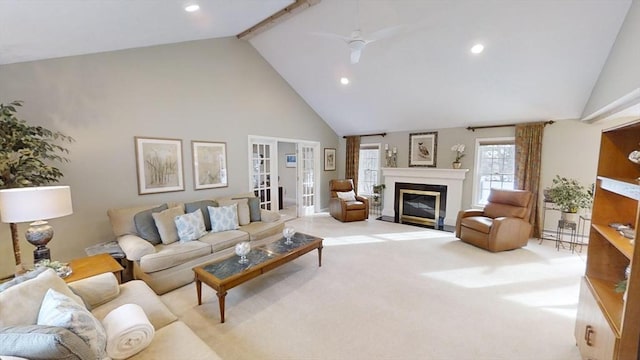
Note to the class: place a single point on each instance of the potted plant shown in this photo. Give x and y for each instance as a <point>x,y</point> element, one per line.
<point>459,150</point>
<point>570,196</point>
<point>26,152</point>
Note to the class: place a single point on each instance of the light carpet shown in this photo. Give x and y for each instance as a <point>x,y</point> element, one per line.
<point>392,291</point>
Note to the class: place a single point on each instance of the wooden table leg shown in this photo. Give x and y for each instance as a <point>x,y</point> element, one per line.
<point>221,295</point>
<point>199,290</point>
<point>320,256</point>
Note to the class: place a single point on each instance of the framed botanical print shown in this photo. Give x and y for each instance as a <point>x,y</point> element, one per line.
<point>329,159</point>
<point>209,164</point>
<point>423,149</point>
<point>159,165</point>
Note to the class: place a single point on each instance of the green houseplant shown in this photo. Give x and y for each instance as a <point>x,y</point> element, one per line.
<point>569,195</point>
<point>377,190</point>
<point>26,152</point>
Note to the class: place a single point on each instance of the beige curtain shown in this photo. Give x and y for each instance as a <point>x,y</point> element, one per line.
<point>353,158</point>
<point>528,162</point>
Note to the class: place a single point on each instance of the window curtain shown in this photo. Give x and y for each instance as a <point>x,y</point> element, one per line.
<point>528,159</point>
<point>352,161</point>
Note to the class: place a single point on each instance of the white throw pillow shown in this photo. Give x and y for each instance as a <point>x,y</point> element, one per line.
<point>166,225</point>
<point>223,218</point>
<point>347,195</point>
<point>59,310</point>
<point>190,226</point>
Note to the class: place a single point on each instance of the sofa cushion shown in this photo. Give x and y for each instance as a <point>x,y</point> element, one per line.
<point>224,218</point>
<point>269,216</point>
<point>176,341</point>
<point>254,207</point>
<point>146,226</point>
<point>224,239</point>
<point>20,303</point>
<point>190,226</point>
<point>121,219</point>
<point>202,205</point>
<point>244,214</point>
<point>98,289</point>
<point>173,254</point>
<point>260,229</point>
<point>166,225</point>
<point>42,342</point>
<point>139,293</point>
<point>59,310</point>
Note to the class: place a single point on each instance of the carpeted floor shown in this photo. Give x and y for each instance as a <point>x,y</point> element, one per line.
<point>391,291</point>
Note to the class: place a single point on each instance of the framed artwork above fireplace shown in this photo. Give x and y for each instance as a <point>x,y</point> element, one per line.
<point>423,148</point>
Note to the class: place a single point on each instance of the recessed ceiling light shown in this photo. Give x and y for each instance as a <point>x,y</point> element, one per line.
<point>477,48</point>
<point>344,80</point>
<point>192,8</point>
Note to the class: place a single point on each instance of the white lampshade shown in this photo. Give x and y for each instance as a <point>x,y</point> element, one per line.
<point>34,203</point>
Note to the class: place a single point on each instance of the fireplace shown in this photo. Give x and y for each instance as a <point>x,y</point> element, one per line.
<point>422,204</point>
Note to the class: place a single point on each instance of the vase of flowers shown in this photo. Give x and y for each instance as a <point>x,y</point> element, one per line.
<point>459,150</point>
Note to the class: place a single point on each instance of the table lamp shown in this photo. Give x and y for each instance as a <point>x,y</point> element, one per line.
<point>36,204</point>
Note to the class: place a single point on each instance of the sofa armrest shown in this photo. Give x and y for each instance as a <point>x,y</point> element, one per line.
<point>135,247</point>
<point>97,290</point>
<point>269,216</point>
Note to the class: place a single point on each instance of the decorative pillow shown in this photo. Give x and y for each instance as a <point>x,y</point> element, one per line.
<point>224,218</point>
<point>166,225</point>
<point>145,225</point>
<point>202,205</point>
<point>60,310</point>
<point>254,208</point>
<point>347,195</point>
<point>42,342</point>
<point>244,217</point>
<point>190,226</point>
<point>20,303</point>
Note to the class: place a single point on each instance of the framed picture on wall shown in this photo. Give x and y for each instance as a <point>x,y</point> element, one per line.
<point>329,159</point>
<point>159,165</point>
<point>290,160</point>
<point>209,164</point>
<point>423,149</point>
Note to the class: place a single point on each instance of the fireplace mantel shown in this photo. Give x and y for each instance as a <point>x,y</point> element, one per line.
<point>452,178</point>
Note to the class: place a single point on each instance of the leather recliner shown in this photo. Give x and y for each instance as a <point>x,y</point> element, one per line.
<point>347,210</point>
<point>502,225</point>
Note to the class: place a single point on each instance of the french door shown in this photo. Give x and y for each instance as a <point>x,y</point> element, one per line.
<point>306,179</point>
<point>263,165</point>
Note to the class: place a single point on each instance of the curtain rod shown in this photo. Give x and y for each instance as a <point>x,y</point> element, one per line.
<point>474,128</point>
<point>379,134</point>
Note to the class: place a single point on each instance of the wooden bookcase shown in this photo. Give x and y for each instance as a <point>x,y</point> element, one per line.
<point>607,325</point>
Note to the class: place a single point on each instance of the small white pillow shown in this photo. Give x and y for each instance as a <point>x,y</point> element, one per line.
<point>166,225</point>
<point>347,195</point>
<point>223,218</point>
<point>190,226</point>
<point>59,310</point>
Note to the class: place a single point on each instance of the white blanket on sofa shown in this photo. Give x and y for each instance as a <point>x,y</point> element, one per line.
<point>128,331</point>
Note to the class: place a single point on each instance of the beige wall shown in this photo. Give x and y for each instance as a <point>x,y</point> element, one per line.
<point>570,149</point>
<point>211,90</point>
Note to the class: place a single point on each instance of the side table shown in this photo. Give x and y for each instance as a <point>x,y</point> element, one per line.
<point>112,248</point>
<point>94,265</point>
<point>566,225</point>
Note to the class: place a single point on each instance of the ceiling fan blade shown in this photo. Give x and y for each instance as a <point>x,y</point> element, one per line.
<point>355,55</point>
<point>331,36</point>
<point>392,31</point>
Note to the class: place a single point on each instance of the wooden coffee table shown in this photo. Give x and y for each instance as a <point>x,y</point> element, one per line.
<point>228,273</point>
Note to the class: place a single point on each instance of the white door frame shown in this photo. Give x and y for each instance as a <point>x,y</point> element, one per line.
<point>273,141</point>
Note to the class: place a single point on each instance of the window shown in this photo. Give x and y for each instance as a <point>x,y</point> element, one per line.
<point>368,168</point>
<point>495,167</point>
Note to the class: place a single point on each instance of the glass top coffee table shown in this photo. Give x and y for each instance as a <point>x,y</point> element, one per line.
<point>224,274</point>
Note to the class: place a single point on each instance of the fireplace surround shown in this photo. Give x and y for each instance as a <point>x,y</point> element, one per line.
<point>422,204</point>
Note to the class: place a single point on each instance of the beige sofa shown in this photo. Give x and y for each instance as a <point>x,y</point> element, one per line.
<point>165,267</point>
<point>20,304</point>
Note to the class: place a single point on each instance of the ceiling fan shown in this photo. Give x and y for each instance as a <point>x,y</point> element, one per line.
<point>356,42</point>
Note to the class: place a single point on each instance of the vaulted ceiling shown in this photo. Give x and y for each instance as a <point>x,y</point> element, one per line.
<point>541,59</point>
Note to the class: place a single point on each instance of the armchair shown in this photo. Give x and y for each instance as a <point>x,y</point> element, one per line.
<point>502,225</point>
<point>348,209</point>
